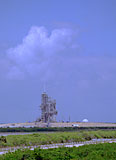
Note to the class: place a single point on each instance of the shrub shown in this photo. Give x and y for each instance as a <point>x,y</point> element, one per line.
<point>3,139</point>
<point>105,151</point>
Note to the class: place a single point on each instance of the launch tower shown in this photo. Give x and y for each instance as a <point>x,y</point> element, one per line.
<point>48,109</point>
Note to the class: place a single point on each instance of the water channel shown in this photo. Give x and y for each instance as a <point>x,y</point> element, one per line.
<point>72,144</point>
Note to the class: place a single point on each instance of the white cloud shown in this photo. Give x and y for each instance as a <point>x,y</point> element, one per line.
<point>38,50</point>
<point>54,56</point>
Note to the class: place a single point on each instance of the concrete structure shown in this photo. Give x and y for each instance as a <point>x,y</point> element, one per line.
<point>48,109</point>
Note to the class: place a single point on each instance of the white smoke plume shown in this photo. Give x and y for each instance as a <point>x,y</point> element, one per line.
<point>39,50</point>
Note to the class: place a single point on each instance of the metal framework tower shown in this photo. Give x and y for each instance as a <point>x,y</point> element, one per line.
<point>48,109</point>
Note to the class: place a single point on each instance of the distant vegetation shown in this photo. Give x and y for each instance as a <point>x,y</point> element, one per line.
<point>53,129</point>
<point>105,151</point>
<point>51,138</point>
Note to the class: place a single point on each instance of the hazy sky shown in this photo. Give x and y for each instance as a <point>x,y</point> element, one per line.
<point>69,45</point>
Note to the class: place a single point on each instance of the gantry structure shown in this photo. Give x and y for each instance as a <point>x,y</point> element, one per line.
<point>48,109</point>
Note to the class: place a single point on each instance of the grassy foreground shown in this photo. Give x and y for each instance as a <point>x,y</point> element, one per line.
<point>105,151</point>
<point>50,138</point>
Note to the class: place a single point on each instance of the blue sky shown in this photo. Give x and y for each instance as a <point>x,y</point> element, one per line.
<point>69,46</point>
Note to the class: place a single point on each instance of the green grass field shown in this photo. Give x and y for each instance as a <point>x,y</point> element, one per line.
<point>50,138</point>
